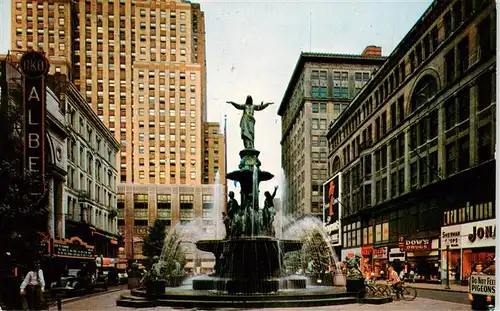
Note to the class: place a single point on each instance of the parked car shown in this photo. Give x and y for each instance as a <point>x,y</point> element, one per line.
<point>70,285</point>
<point>100,282</point>
<point>77,283</point>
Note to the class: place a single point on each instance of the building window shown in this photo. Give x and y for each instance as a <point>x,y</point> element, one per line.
<point>463,155</point>
<point>413,175</point>
<point>451,155</point>
<point>425,90</point>
<point>141,222</point>
<point>344,92</point>
<point>314,124</point>
<point>164,201</point>
<point>485,90</point>
<point>394,184</point>
<point>318,91</point>
<point>463,58</point>
<point>315,107</point>
<point>352,235</point>
<point>422,171</point>
<point>186,201</point>
<point>140,201</point>
<point>450,66</point>
<point>485,151</point>
<point>208,202</point>
<point>487,38</point>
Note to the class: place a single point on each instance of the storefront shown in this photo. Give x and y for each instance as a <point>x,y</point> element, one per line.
<point>380,262</point>
<point>451,238</point>
<point>366,265</point>
<point>422,257</point>
<point>69,254</point>
<point>468,243</point>
<point>105,244</point>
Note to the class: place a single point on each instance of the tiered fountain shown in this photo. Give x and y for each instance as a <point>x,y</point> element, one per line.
<point>249,259</point>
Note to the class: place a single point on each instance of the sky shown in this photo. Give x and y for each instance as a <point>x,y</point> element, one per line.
<point>252,48</point>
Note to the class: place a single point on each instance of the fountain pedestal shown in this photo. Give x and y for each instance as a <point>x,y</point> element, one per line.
<point>248,264</point>
<point>356,286</point>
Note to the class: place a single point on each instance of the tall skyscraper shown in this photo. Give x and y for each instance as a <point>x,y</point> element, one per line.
<point>141,65</point>
<point>214,153</point>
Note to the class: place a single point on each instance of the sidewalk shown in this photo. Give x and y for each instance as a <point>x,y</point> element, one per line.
<point>440,287</point>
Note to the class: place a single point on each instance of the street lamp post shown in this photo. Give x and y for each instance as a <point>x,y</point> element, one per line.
<point>447,266</point>
<point>102,264</point>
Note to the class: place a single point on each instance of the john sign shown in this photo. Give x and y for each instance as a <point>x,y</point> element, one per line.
<point>480,284</point>
<point>34,66</point>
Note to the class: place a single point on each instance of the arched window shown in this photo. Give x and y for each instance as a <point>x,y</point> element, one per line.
<point>336,165</point>
<point>425,89</point>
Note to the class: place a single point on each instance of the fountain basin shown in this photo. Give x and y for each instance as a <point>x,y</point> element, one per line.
<point>185,297</point>
<point>249,258</point>
<point>245,177</point>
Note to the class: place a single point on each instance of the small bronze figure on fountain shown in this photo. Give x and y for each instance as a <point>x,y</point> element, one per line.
<point>247,123</point>
<point>353,271</point>
<point>231,218</point>
<point>268,212</point>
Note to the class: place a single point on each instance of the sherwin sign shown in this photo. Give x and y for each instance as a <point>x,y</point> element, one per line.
<point>451,236</point>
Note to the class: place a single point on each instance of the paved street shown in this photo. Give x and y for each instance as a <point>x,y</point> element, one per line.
<point>108,302</point>
<point>458,297</point>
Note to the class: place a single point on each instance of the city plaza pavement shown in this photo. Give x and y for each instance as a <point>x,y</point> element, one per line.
<point>107,302</point>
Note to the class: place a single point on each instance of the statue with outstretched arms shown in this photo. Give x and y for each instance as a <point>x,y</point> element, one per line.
<point>247,123</point>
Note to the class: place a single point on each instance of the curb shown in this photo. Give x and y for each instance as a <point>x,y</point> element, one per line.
<point>443,290</point>
<point>74,299</point>
<point>438,289</point>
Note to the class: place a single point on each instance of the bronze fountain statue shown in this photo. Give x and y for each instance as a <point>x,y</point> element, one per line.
<point>249,257</point>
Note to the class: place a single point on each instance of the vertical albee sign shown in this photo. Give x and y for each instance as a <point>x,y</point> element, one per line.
<point>34,66</point>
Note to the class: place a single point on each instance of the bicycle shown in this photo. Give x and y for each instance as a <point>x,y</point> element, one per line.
<point>373,290</point>
<point>408,293</point>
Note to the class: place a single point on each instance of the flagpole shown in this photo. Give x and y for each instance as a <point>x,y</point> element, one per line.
<point>225,162</point>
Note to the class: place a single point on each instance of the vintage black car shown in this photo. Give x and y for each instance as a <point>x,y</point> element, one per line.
<point>77,283</point>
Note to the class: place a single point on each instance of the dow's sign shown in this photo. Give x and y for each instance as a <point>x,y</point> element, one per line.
<point>34,66</point>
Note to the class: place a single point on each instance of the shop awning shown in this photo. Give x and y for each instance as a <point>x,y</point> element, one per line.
<point>106,262</point>
<point>423,254</point>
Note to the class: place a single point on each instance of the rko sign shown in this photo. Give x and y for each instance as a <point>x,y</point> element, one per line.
<point>34,66</point>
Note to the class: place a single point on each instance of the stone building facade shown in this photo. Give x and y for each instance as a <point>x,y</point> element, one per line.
<point>416,146</point>
<point>320,88</point>
<point>11,79</point>
<point>139,205</point>
<point>91,182</point>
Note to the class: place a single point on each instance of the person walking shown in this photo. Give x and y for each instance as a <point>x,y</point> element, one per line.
<point>33,287</point>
